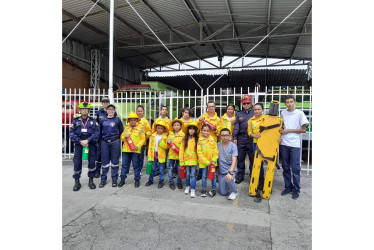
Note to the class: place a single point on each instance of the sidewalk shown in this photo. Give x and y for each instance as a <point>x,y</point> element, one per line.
<point>152,218</point>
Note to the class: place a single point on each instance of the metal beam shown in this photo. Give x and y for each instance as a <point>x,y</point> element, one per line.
<point>233,26</point>
<point>218,31</point>
<point>268,30</point>
<point>278,62</point>
<point>249,64</point>
<point>297,43</point>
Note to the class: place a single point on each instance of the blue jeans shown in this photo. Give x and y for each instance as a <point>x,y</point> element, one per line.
<point>110,153</point>
<point>161,167</point>
<point>291,161</point>
<point>126,162</point>
<point>171,166</point>
<point>226,187</point>
<point>205,176</point>
<point>191,172</point>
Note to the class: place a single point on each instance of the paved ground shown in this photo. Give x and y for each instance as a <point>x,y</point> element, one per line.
<point>152,218</point>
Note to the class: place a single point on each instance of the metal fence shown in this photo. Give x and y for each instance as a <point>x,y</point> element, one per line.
<point>196,100</point>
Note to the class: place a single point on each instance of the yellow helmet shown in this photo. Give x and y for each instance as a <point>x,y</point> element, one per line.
<point>176,120</point>
<point>162,123</point>
<point>132,115</point>
<point>193,124</point>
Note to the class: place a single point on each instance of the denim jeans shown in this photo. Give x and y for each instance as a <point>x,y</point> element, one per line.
<point>127,158</point>
<point>191,174</point>
<point>171,166</point>
<point>204,178</point>
<point>291,161</point>
<point>161,167</point>
<point>226,187</point>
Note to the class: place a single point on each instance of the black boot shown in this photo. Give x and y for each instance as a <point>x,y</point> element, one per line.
<point>77,185</point>
<point>91,184</point>
<point>97,175</point>
<point>121,183</point>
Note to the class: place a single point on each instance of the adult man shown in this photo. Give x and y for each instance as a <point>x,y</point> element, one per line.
<point>211,117</point>
<point>228,153</point>
<point>84,132</point>
<point>241,137</point>
<point>100,114</point>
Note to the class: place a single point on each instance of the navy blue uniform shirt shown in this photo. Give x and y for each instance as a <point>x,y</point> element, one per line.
<point>111,127</point>
<point>241,123</point>
<point>79,125</point>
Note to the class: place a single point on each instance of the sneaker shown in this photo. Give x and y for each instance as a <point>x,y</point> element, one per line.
<point>102,184</point>
<point>160,185</point>
<point>141,174</point>
<point>148,183</point>
<point>172,186</point>
<point>179,185</point>
<point>212,193</point>
<point>295,195</point>
<point>137,184</point>
<point>187,190</point>
<point>232,196</point>
<point>193,195</point>
<point>258,196</point>
<point>114,184</point>
<point>239,180</point>
<point>286,191</point>
<point>121,183</point>
<point>203,193</point>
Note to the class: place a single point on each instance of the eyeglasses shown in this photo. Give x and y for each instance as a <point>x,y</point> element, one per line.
<point>247,103</point>
<point>225,135</point>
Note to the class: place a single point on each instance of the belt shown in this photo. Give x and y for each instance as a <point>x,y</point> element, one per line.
<point>111,140</point>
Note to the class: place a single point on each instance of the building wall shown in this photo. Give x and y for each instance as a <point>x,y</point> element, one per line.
<point>74,77</point>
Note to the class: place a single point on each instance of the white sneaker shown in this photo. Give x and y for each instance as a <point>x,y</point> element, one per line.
<point>141,174</point>
<point>193,195</point>
<point>187,190</point>
<point>232,196</point>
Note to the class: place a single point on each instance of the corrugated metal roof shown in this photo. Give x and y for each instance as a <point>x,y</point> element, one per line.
<point>250,19</point>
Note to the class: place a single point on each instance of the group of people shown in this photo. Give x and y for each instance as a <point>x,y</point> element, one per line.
<point>189,149</point>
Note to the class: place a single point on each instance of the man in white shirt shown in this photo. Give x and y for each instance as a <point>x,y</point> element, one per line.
<point>295,123</point>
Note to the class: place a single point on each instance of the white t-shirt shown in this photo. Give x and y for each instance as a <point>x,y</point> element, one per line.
<point>158,139</point>
<point>293,120</point>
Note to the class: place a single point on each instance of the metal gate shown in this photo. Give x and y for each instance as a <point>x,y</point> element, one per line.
<point>196,100</point>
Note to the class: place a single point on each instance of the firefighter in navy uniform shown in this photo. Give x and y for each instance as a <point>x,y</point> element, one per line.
<point>100,114</point>
<point>84,132</point>
<point>242,139</point>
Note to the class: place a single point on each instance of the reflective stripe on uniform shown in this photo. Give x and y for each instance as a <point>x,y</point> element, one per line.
<point>190,162</point>
<point>77,172</point>
<point>188,152</point>
<point>115,166</point>
<point>136,137</point>
<point>92,169</point>
<point>106,166</point>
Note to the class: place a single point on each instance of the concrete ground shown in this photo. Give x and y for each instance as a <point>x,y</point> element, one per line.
<point>152,218</point>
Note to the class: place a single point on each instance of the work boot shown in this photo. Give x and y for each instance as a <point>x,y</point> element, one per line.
<point>172,186</point>
<point>286,191</point>
<point>295,195</point>
<point>149,183</point>
<point>180,186</point>
<point>102,184</point>
<point>114,184</point>
<point>160,185</point>
<point>137,184</point>
<point>91,184</point>
<point>258,196</point>
<point>239,180</point>
<point>121,183</point>
<point>97,175</point>
<point>77,185</point>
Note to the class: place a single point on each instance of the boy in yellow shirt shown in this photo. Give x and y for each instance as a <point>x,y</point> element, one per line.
<point>207,153</point>
<point>157,151</point>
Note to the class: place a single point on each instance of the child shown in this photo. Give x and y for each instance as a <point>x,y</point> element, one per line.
<point>175,136</point>
<point>148,132</point>
<point>188,156</point>
<point>134,130</point>
<point>254,132</point>
<point>157,152</point>
<point>228,119</point>
<point>207,153</point>
<point>295,123</point>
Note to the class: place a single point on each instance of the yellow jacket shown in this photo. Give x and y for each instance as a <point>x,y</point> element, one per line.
<point>137,136</point>
<point>207,151</point>
<point>214,120</point>
<point>188,156</point>
<point>161,149</point>
<point>186,124</point>
<point>147,128</point>
<point>225,123</point>
<point>167,121</point>
<point>254,127</point>
<point>177,139</point>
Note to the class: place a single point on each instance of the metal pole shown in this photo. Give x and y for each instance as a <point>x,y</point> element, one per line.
<point>111,14</point>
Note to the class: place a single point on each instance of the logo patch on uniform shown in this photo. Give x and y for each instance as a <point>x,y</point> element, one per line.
<point>97,124</point>
<point>77,124</point>
<point>112,124</point>
<point>71,125</point>
<point>91,122</point>
<point>240,118</point>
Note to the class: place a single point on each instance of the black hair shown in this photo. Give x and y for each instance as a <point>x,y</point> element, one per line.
<point>205,125</point>
<point>211,102</point>
<point>230,105</point>
<point>196,136</point>
<point>163,106</point>
<point>225,129</point>
<point>259,104</point>
<point>187,109</point>
<point>140,106</point>
<point>289,97</point>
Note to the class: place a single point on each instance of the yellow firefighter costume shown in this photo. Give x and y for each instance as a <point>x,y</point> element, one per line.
<point>229,124</point>
<point>188,156</point>
<point>213,120</point>
<point>162,146</point>
<point>254,127</point>
<point>207,151</point>
<point>147,128</point>
<point>175,138</point>
<point>136,133</point>
<point>167,122</point>
<point>186,124</point>
<point>267,150</point>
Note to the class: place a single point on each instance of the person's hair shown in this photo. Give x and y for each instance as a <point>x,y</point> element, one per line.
<point>160,126</point>
<point>205,125</point>
<point>187,109</point>
<point>259,104</point>
<point>140,106</point>
<point>230,105</point>
<point>225,129</point>
<point>175,122</point>
<point>163,106</point>
<point>211,102</point>
<point>196,136</point>
<point>289,97</point>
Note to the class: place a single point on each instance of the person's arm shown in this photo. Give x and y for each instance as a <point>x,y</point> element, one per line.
<point>233,163</point>
<point>200,155</point>
<point>215,154</point>
<point>95,136</point>
<point>142,139</point>
<point>236,130</point>
<point>181,154</point>
<point>298,131</point>
<point>121,129</point>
